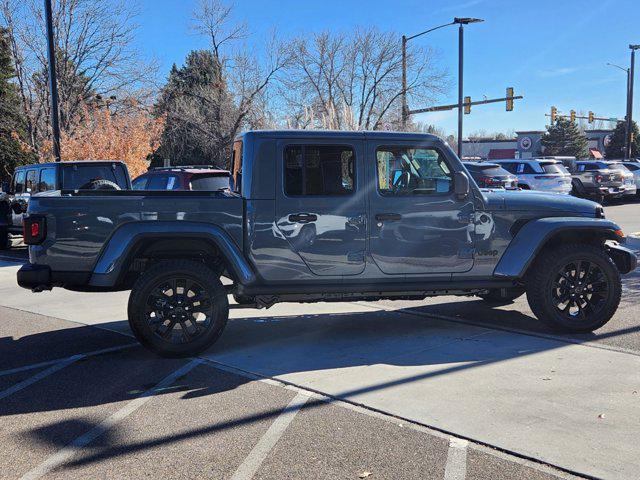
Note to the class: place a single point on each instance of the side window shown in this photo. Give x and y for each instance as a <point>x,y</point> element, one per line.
<point>581,168</point>
<point>157,182</point>
<point>173,183</point>
<point>47,180</point>
<point>31,181</point>
<point>412,171</point>
<point>509,167</point>
<point>139,183</point>
<point>18,182</point>
<point>319,170</point>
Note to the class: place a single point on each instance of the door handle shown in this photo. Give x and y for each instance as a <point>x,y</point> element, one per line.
<point>388,217</point>
<point>303,218</point>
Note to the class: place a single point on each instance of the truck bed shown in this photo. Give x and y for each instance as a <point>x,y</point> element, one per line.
<point>79,223</point>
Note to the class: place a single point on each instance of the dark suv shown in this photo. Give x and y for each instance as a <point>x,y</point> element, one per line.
<point>48,177</point>
<point>201,178</point>
<point>491,175</point>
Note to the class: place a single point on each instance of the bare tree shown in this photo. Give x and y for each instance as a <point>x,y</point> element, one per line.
<point>354,81</point>
<point>232,94</point>
<point>95,54</point>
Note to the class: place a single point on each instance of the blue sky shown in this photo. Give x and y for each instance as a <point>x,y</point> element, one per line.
<point>552,52</point>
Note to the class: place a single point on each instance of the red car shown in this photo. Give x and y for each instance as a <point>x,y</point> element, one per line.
<point>183,178</point>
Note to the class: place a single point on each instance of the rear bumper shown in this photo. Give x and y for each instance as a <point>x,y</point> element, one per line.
<point>35,277</point>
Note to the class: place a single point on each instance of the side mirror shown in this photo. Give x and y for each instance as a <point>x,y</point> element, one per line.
<point>6,187</point>
<point>461,185</point>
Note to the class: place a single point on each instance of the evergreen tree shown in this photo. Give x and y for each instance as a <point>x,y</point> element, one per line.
<point>615,149</point>
<point>565,139</point>
<point>13,148</point>
<point>199,113</point>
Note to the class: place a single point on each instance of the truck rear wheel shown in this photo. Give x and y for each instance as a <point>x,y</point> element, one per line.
<point>178,308</point>
<point>574,288</point>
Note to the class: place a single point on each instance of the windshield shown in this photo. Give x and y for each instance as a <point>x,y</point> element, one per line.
<point>617,166</point>
<point>493,171</point>
<point>210,182</point>
<point>556,168</point>
<point>80,175</point>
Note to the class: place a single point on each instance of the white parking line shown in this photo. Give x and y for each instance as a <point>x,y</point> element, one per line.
<point>250,466</point>
<point>70,450</point>
<point>33,366</point>
<point>39,376</point>
<point>456,466</point>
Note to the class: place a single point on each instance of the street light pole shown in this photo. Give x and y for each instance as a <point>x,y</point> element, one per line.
<point>626,124</point>
<point>628,142</point>
<point>461,22</point>
<point>53,84</point>
<point>460,84</point>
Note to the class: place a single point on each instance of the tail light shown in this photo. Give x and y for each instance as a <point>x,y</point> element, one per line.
<point>598,178</point>
<point>34,229</point>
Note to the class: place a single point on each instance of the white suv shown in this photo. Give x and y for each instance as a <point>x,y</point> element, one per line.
<point>545,175</point>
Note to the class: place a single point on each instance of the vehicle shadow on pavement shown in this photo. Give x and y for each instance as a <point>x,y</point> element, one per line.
<point>279,346</point>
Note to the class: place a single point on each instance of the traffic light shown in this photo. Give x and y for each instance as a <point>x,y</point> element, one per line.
<point>467,105</point>
<point>554,114</point>
<point>509,99</point>
<point>591,117</point>
<point>572,116</point>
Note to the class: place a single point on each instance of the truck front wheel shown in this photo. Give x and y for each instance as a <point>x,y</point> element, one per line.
<point>178,308</point>
<point>574,288</point>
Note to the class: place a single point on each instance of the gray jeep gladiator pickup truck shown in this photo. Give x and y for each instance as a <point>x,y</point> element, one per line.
<point>326,216</point>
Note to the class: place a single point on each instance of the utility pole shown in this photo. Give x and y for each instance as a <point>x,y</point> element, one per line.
<point>405,108</point>
<point>53,84</point>
<point>629,129</point>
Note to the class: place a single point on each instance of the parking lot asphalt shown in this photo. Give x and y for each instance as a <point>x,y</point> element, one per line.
<point>444,388</point>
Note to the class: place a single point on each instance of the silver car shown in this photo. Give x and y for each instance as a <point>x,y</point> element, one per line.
<point>544,175</point>
<point>634,168</point>
<point>630,186</point>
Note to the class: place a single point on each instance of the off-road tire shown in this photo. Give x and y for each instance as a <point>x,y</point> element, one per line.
<point>101,185</point>
<point>140,302</point>
<point>502,296</point>
<point>543,277</point>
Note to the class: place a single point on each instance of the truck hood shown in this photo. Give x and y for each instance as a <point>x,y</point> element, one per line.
<point>526,200</point>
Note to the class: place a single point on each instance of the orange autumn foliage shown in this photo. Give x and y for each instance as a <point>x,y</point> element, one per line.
<point>103,135</point>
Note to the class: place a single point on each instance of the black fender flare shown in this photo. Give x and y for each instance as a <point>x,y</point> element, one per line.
<point>532,237</point>
<point>115,252</point>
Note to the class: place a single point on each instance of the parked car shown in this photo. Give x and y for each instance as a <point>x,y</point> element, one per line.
<point>634,168</point>
<point>42,178</point>
<point>183,178</point>
<point>491,175</point>
<point>595,179</point>
<point>630,188</point>
<point>399,218</point>
<point>543,175</point>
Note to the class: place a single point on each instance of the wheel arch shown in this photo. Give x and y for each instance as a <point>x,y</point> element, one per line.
<point>537,235</point>
<point>167,240</point>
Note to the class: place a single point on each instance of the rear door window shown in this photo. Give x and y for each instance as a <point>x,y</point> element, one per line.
<point>47,180</point>
<point>140,183</point>
<point>157,182</point>
<point>31,182</point>
<point>319,170</point>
